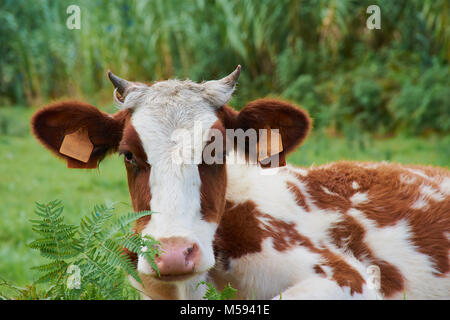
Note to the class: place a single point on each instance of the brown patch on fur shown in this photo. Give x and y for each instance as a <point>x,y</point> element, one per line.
<point>349,234</point>
<point>214,181</point>
<point>337,180</point>
<point>343,273</point>
<point>299,197</point>
<point>392,280</point>
<point>138,176</point>
<point>132,143</point>
<point>238,233</point>
<point>227,116</point>
<point>284,234</point>
<point>212,191</point>
<point>138,173</point>
<point>318,269</point>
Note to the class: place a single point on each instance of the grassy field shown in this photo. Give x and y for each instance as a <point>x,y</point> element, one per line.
<point>30,173</point>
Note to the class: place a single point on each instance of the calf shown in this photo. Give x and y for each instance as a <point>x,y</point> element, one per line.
<point>345,230</point>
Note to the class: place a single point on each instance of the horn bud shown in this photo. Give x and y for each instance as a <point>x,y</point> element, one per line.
<point>232,78</point>
<point>120,84</point>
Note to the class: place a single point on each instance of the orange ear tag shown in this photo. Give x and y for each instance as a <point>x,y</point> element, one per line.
<point>77,145</point>
<point>267,146</point>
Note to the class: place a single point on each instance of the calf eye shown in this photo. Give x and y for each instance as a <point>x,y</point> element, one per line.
<point>128,156</point>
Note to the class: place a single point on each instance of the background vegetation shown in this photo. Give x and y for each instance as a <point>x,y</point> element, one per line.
<point>317,53</point>
<point>374,94</point>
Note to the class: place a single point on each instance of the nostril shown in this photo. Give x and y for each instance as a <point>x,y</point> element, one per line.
<point>190,253</point>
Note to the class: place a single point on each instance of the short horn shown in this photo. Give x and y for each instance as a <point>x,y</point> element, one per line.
<point>119,83</point>
<point>232,78</point>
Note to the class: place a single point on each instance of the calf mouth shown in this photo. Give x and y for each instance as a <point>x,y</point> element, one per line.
<point>166,278</point>
<point>174,278</point>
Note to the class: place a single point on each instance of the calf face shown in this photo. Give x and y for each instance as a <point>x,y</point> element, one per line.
<point>188,198</point>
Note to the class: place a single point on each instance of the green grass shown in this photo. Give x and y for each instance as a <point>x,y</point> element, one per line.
<point>320,149</point>
<point>29,173</point>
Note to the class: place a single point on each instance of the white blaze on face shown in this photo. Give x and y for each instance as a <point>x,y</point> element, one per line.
<point>161,110</point>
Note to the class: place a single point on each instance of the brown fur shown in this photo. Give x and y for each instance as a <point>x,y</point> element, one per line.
<point>293,123</point>
<point>238,233</point>
<point>212,191</point>
<point>343,274</point>
<point>299,197</point>
<point>50,125</point>
<point>318,269</point>
<point>138,174</point>
<point>214,183</point>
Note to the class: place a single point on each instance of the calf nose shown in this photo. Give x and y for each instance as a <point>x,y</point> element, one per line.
<point>178,257</point>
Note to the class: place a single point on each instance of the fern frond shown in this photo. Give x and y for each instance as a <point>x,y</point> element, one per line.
<point>56,241</point>
<point>50,271</point>
<point>91,225</point>
<point>115,257</point>
<point>95,248</point>
<point>212,294</point>
<point>143,246</point>
<point>122,223</point>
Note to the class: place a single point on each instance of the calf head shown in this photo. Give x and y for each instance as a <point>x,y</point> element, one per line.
<point>188,198</point>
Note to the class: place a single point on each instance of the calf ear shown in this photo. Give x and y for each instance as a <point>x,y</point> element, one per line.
<point>78,132</point>
<point>292,122</point>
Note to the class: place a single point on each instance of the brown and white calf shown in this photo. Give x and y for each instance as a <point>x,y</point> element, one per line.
<point>325,232</point>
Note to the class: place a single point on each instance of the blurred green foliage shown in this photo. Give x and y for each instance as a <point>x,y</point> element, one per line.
<point>316,53</point>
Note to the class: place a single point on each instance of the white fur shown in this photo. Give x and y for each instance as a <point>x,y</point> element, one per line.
<point>427,192</point>
<point>159,111</point>
<point>419,173</point>
<point>420,203</point>
<point>404,178</point>
<point>430,192</point>
<point>445,186</point>
<point>327,191</point>
<point>359,197</point>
